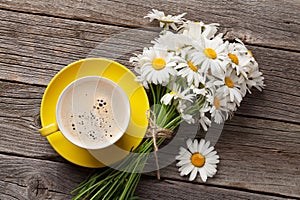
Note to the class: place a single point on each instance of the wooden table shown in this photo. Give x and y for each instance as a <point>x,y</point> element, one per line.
<point>259,147</point>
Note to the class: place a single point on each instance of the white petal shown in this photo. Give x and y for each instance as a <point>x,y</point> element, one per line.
<point>167,98</point>
<point>231,96</point>
<point>211,154</point>
<point>193,174</point>
<point>203,174</point>
<point>195,146</point>
<point>183,167</point>
<point>182,150</point>
<point>212,161</point>
<point>203,125</point>
<point>219,82</point>
<point>206,145</point>
<point>210,170</point>
<point>183,162</point>
<point>237,95</point>
<point>187,169</point>
<point>184,155</point>
<point>210,149</point>
<point>202,141</point>
<point>189,144</point>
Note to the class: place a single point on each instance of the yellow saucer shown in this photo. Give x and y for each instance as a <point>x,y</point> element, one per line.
<point>138,102</point>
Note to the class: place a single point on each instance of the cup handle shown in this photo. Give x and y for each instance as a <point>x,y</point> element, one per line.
<point>49,129</point>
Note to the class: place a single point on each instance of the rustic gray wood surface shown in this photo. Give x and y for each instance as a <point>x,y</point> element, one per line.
<point>259,148</point>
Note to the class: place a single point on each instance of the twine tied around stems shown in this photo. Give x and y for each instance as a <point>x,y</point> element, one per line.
<point>155,131</point>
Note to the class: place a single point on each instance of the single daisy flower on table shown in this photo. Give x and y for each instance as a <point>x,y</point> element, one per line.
<point>155,65</point>
<point>165,21</point>
<point>197,158</point>
<point>211,55</point>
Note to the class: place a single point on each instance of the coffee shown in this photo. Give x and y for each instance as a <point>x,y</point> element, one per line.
<point>93,112</point>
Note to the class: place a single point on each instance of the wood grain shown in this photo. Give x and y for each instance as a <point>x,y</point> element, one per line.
<point>34,48</point>
<point>266,23</point>
<point>170,189</point>
<point>19,116</point>
<point>32,179</point>
<point>257,155</point>
<point>259,148</point>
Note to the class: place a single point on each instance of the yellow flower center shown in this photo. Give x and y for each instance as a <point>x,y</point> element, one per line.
<point>197,159</point>
<point>229,82</point>
<point>233,58</point>
<point>210,53</point>
<point>158,63</point>
<point>250,53</point>
<point>192,66</point>
<point>173,93</point>
<point>217,103</point>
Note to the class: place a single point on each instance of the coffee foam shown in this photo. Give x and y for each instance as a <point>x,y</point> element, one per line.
<point>92,113</point>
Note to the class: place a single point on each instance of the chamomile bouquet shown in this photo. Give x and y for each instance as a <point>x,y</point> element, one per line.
<point>195,76</point>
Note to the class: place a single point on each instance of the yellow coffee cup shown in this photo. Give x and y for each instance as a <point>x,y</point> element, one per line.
<point>92,112</point>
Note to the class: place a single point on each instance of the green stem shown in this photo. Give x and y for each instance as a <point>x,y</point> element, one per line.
<point>175,121</point>
<point>109,190</point>
<point>131,177</point>
<point>153,94</point>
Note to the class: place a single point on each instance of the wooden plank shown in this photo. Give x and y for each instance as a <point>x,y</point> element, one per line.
<point>259,155</point>
<point>266,23</point>
<point>170,189</point>
<point>34,48</point>
<point>26,178</point>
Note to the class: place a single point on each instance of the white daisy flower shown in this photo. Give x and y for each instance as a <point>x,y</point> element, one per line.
<point>177,93</point>
<point>155,65</point>
<point>197,158</point>
<point>171,42</point>
<point>219,106</point>
<point>197,29</point>
<point>229,86</point>
<point>239,60</point>
<point>190,71</point>
<point>255,77</point>
<point>240,47</point>
<point>164,20</point>
<point>210,55</point>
